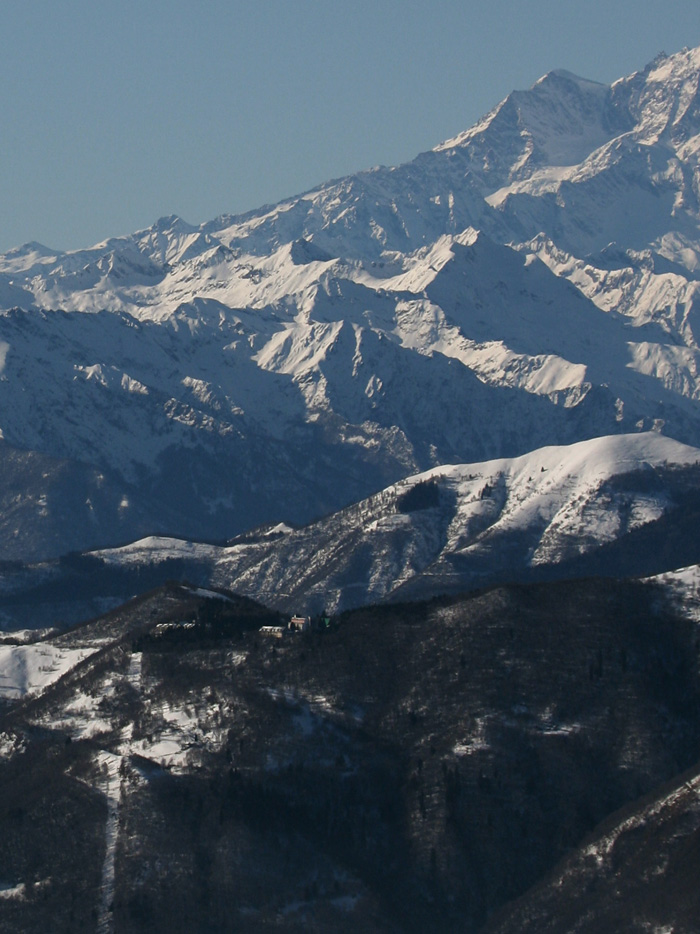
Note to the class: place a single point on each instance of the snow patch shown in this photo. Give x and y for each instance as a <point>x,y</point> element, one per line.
<point>30,669</point>
<point>9,890</point>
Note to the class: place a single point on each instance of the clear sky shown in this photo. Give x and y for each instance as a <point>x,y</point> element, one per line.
<point>116,112</point>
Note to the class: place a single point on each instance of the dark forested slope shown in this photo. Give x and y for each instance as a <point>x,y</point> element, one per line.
<point>413,768</point>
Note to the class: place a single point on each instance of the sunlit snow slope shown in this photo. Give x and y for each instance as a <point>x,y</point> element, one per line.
<point>531,282</point>
<point>458,527</point>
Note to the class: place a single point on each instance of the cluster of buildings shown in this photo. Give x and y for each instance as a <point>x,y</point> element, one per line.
<point>295,625</point>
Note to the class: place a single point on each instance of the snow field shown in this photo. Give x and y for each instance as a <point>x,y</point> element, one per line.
<point>29,669</point>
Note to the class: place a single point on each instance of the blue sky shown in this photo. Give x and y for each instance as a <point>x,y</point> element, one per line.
<point>115,113</point>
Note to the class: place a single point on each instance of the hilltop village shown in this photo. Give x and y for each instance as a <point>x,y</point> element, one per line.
<point>296,625</point>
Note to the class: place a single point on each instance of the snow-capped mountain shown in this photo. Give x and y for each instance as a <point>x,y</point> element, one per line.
<point>622,505</point>
<point>531,282</point>
<point>478,368</point>
<point>454,528</point>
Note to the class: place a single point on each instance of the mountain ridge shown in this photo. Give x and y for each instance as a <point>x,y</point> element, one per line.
<point>475,372</point>
<point>308,344</point>
<point>620,506</point>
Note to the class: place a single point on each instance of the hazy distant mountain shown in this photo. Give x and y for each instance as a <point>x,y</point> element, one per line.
<point>283,364</point>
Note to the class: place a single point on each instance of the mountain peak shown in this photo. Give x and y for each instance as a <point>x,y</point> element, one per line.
<point>679,65</point>
<point>556,122</point>
<point>33,246</point>
<point>561,74</point>
<point>173,222</point>
<point>261,364</point>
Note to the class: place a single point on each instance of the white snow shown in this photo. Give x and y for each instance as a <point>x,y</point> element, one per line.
<point>109,766</point>
<point>546,179</point>
<point>657,811</point>
<point>548,488</point>
<point>683,587</point>
<point>135,674</point>
<point>29,669</point>
<point>8,890</point>
<point>10,743</point>
<point>338,306</point>
<point>551,502</point>
<point>157,548</point>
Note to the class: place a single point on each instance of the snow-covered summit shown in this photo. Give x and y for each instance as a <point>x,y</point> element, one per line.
<point>558,122</point>
<point>533,281</point>
<point>454,527</point>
